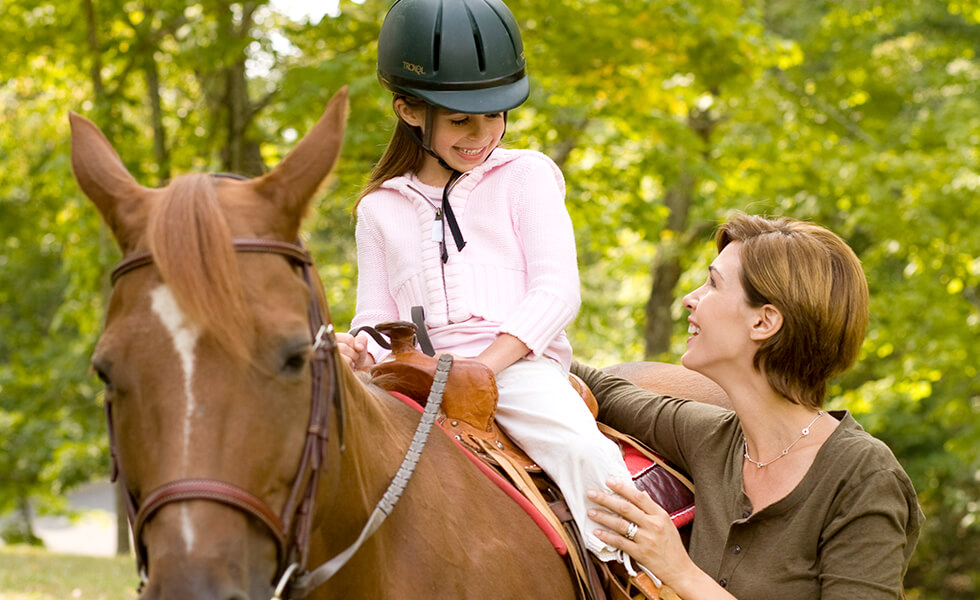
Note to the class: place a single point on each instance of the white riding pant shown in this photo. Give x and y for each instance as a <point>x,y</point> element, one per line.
<point>544,415</point>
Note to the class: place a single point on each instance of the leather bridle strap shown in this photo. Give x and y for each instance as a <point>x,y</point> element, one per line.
<point>291,251</point>
<point>210,489</point>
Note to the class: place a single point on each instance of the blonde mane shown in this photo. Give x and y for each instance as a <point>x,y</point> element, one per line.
<point>192,248</point>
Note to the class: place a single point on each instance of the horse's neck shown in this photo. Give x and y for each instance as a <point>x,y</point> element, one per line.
<point>377,430</point>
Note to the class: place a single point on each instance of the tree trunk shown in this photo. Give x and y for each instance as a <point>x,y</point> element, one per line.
<point>667,267</point>
<point>160,149</point>
<point>240,154</point>
<point>666,270</point>
<point>93,45</point>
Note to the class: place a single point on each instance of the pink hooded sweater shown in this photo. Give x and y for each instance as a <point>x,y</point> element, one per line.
<point>517,273</point>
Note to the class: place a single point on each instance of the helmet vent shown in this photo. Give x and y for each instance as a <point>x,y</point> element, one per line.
<point>437,41</point>
<point>477,40</point>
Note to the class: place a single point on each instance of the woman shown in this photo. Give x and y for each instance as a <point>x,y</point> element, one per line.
<point>792,501</point>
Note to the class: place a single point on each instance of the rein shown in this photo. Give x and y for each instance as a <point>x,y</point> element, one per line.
<point>290,530</point>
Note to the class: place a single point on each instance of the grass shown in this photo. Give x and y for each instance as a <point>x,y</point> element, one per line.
<point>28,573</point>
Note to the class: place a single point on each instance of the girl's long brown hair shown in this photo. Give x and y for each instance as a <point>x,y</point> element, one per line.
<point>402,155</point>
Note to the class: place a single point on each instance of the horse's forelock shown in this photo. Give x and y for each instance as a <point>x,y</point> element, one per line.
<point>192,248</point>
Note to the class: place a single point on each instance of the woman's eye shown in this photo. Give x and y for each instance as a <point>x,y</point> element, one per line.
<point>460,122</point>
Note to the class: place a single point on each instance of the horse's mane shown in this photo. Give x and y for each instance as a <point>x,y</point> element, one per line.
<point>192,248</point>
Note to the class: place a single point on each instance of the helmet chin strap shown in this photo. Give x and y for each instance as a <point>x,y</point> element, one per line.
<point>425,142</point>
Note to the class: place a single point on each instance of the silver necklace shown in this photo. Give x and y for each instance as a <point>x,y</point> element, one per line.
<point>805,432</point>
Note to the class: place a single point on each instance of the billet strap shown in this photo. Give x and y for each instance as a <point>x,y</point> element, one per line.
<point>421,334</point>
<point>526,485</point>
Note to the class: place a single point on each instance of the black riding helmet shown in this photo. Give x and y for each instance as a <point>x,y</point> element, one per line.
<point>462,55</point>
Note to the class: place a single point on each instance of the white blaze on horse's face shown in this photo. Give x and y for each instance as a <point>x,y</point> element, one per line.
<point>184,335</point>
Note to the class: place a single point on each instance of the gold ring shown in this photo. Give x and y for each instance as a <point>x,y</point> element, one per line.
<point>631,531</point>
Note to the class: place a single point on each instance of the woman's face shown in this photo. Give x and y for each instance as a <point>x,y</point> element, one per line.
<point>721,319</point>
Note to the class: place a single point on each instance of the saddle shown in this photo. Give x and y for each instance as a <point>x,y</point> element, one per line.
<point>467,414</point>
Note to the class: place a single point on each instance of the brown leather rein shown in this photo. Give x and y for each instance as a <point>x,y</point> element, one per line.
<point>290,530</point>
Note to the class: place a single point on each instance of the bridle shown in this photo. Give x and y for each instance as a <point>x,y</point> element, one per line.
<point>291,529</point>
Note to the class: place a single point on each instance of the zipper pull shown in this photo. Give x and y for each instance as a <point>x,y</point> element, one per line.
<point>437,234</point>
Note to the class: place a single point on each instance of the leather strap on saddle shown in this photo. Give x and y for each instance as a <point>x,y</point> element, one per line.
<point>470,401</point>
<point>421,334</point>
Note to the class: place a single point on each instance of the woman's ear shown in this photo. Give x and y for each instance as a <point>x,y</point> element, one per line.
<point>411,115</point>
<point>767,321</point>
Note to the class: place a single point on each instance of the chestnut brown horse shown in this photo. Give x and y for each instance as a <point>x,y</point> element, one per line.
<point>250,455</point>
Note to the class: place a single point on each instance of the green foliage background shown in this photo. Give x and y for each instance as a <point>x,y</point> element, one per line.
<point>665,115</point>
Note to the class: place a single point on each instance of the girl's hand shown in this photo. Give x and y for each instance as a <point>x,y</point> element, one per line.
<point>354,350</point>
<point>656,543</point>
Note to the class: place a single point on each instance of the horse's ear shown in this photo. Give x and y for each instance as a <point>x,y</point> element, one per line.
<point>104,179</point>
<point>295,180</point>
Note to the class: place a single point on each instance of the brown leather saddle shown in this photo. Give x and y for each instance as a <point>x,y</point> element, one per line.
<point>467,413</point>
<point>470,399</point>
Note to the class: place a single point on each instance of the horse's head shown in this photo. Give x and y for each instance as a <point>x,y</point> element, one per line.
<point>209,363</point>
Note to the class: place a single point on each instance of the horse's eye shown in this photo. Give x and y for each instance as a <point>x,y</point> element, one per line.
<point>295,362</point>
<point>102,372</point>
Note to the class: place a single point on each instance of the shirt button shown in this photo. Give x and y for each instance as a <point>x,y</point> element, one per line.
<point>736,549</point>
<point>747,514</point>
<point>723,582</point>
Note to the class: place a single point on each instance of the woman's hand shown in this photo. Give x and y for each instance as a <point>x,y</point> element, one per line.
<point>354,350</point>
<point>655,544</point>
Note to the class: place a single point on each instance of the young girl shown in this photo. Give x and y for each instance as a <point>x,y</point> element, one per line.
<point>477,235</point>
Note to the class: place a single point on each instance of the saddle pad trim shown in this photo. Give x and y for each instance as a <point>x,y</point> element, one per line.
<point>639,464</point>
<point>501,483</point>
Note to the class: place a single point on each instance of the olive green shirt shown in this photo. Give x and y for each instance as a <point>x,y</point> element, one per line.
<point>846,531</point>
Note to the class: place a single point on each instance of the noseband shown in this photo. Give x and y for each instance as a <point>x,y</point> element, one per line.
<point>291,529</point>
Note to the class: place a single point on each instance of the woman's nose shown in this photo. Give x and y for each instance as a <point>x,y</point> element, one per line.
<point>690,300</point>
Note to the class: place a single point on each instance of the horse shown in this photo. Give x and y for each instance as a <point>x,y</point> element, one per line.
<point>247,450</point>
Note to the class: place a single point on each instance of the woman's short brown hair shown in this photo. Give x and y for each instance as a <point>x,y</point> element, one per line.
<point>815,280</point>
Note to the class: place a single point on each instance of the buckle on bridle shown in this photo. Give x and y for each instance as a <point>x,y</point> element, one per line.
<point>284,581</point>
<point>323,336</point>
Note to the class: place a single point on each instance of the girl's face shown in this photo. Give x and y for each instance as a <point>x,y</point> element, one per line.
<point>465,141</point>
<point>721,321</point>
<point>462,140</point>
